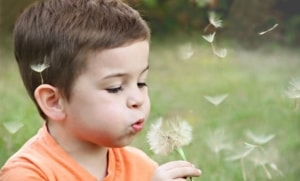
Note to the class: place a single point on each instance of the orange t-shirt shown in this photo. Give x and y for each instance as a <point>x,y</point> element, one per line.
<point>41,158</point>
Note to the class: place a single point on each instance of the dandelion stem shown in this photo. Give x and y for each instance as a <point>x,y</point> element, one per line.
<point>182,154</point>
<point>296,104</point>
<point>207,26</point>
<point>267,172</point>
<point>243,170</point>
<point>42,80</point>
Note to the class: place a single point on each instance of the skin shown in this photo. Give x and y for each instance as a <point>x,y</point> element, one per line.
<point>109,105</point>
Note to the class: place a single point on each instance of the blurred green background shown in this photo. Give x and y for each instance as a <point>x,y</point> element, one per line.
<point>223,98</point>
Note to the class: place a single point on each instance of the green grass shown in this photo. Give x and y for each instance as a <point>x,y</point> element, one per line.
<point>255,82</point>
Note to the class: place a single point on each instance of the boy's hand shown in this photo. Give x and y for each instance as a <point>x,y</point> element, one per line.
<point>175,170</point>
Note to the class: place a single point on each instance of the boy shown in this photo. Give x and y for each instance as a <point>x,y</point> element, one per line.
<point>90,89</point>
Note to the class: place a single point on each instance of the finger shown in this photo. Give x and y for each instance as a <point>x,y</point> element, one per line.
<point>177,163</point>
<point>180,179</point>
<point>184,172</point>
<point>179,169</point>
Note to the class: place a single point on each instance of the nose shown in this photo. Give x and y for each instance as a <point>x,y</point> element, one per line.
<point>136,98</point>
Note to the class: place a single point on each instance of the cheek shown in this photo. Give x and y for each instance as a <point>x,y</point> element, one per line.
<point>147,105</point>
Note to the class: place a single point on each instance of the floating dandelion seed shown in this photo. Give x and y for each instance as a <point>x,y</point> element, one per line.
<point>13,126</point>
<point>295,83</point>
<point>259,139</point>
<point>241,154</point>
<point>217,141</point>
<point>266,160</point>
<point>222,53</point>
<point>214,20</point>
<point>270,29</point>
<point>216,100</point>
<point>169,135</point>
<point>209,37</point>
<point>293,91</point>
<point>186,51</point>
<point>275,168</point>
<point>40,68</point>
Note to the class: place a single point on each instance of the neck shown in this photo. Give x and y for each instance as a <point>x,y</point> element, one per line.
<point>91,157</point>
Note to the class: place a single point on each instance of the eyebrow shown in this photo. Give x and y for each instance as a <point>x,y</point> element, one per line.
<point>122,74</point>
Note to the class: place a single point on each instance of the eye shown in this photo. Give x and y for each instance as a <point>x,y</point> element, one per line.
<point>114,90</point>
<point>142,84</point>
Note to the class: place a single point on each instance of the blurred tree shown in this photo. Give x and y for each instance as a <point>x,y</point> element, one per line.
<point>247,18</point>
<point>289,13</point>
<point>242,19</point>
<point>166,16</point>
<point>9,10</point>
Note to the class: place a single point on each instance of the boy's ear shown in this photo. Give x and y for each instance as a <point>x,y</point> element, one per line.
<point>50,102</point>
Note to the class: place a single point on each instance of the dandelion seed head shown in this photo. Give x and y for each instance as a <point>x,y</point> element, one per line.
<point>166,136</point>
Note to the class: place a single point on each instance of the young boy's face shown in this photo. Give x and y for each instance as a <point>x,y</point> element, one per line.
<point>109,102</point>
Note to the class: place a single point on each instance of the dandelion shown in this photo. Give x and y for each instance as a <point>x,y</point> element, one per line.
<point>39,68</point>
<point>168,136</point>
<point>214,20</point>
<point>209,37</point>
<point>216,100</point>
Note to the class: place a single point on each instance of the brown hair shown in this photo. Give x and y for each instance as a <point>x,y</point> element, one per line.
<point>60,33</point>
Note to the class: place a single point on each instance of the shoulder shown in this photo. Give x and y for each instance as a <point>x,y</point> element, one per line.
<point>25,164</point>
<point>28,163</point>
<point>18,169</point>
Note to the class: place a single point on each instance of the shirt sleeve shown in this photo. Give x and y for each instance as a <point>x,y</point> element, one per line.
<point>21,171</point>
